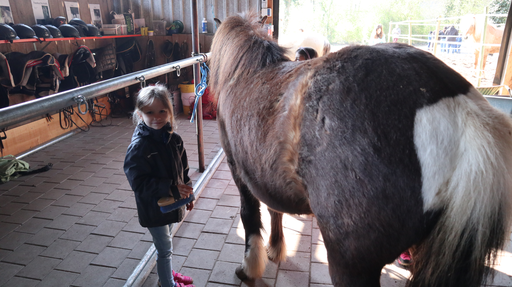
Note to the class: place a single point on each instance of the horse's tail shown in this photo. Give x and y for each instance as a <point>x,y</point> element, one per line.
<point>465,150</point>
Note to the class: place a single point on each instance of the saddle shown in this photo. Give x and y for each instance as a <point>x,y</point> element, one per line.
<point>63,60</point>
<point>81,69</point>
<point>128,53</point>
<point>6,78</point>
<point>21,65</point>
<point>26,71</point>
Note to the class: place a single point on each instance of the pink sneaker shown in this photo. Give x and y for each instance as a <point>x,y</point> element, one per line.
<point>180,278</point>
<point>404,259</point>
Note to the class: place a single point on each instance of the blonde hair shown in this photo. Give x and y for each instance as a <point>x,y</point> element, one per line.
<point>147,96</point>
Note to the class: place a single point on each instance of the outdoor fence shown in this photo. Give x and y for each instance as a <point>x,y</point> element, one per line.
<point>413,32</point>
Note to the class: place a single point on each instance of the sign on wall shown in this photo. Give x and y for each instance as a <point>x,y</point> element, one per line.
<point>96,15</point>
<point>5,12</point>
<point>41,11</point>
<point>72,10</point>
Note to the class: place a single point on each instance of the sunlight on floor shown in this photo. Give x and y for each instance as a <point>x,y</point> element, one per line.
<point>504,262</point>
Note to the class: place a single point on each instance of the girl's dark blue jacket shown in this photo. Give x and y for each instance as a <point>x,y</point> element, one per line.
<point>155,163</point>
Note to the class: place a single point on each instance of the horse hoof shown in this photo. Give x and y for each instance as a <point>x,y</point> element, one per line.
<point>241,274</point>
<point>273,259</point>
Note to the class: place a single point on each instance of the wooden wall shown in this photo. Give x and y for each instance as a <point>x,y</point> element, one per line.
<point>25,137</point>
<point>23,13</point>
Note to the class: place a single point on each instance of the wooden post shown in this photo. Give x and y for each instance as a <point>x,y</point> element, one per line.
<point>438,26</point>
<point>482,47</point>
<point>505,75</point>
<point>410,32</point>
<point>389,34</point>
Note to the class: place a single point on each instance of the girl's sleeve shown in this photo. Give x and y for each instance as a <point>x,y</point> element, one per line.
<point>184,163</point>
<point>138,172</point>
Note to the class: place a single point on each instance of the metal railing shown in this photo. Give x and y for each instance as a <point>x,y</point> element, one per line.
<point>433,41</point>
<point>30,110</point>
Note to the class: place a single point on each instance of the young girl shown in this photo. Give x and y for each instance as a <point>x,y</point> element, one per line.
<point>377,36</point>
<point>156,167</point>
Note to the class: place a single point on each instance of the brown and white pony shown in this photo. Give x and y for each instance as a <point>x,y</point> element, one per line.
<point>472,25</point>
<point>386,145</point>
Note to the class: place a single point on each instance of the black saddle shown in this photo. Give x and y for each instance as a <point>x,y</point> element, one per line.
<point>81,69</point>
<point>128,53</point>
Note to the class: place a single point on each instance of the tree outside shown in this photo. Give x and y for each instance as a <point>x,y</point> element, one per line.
<point>352,21</point>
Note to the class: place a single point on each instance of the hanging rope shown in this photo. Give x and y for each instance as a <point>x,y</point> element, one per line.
<point>200,88</point>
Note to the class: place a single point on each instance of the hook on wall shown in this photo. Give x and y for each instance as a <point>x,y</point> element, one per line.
<point>178,70</point>
<point>142,81</point>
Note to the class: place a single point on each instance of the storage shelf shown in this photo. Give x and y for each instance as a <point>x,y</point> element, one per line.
<point>69,39</point>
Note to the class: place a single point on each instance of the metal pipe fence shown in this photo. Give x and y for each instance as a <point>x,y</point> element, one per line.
<point>33,109</point>
<point>434,41</point>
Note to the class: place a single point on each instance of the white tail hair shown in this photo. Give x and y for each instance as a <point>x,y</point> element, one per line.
<point>465,150</point>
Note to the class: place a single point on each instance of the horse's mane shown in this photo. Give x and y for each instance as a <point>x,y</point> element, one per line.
<point>241,47</point>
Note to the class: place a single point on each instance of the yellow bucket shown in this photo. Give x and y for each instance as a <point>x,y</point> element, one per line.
<point>187,97</point>
<point>186,88</point>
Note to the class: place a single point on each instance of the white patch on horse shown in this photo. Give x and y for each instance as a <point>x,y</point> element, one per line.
<point>457,148</point>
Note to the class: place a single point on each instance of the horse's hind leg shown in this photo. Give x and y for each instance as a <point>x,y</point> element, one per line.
<point>255,258</point>
<point>276,246</point>
<point>349,270</point>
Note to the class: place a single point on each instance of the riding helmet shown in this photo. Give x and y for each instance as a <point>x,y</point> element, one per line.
<point>77,21</point>
<point>41,31</point>
<point>24,31</point>
<point>59,21</point>
<point>93,31</point>
<point>8,33</point>
<point>54,31</point>
<point>69,31</point>
<point>80,25</point>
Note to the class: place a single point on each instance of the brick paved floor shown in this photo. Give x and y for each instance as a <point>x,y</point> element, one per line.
<point>209,246</point>
<point>76,225</point>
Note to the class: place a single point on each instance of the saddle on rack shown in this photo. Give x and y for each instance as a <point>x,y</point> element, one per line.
<point>21,65</point>
<point>81,69</point>
<point>128,53</point>
<point>25,71</point>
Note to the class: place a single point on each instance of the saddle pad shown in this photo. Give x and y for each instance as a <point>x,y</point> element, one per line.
<point>105,58</point>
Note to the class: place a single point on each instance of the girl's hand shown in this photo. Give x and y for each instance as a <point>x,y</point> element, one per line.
<point>185,190</point>
<point>190,205</point>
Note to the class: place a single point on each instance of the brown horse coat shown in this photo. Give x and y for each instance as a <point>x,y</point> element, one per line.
<point>386,145</point>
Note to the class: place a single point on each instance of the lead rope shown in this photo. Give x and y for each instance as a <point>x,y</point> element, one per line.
<point>200,88</point>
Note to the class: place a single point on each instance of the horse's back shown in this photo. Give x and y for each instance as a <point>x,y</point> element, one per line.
<point>357,149</point>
